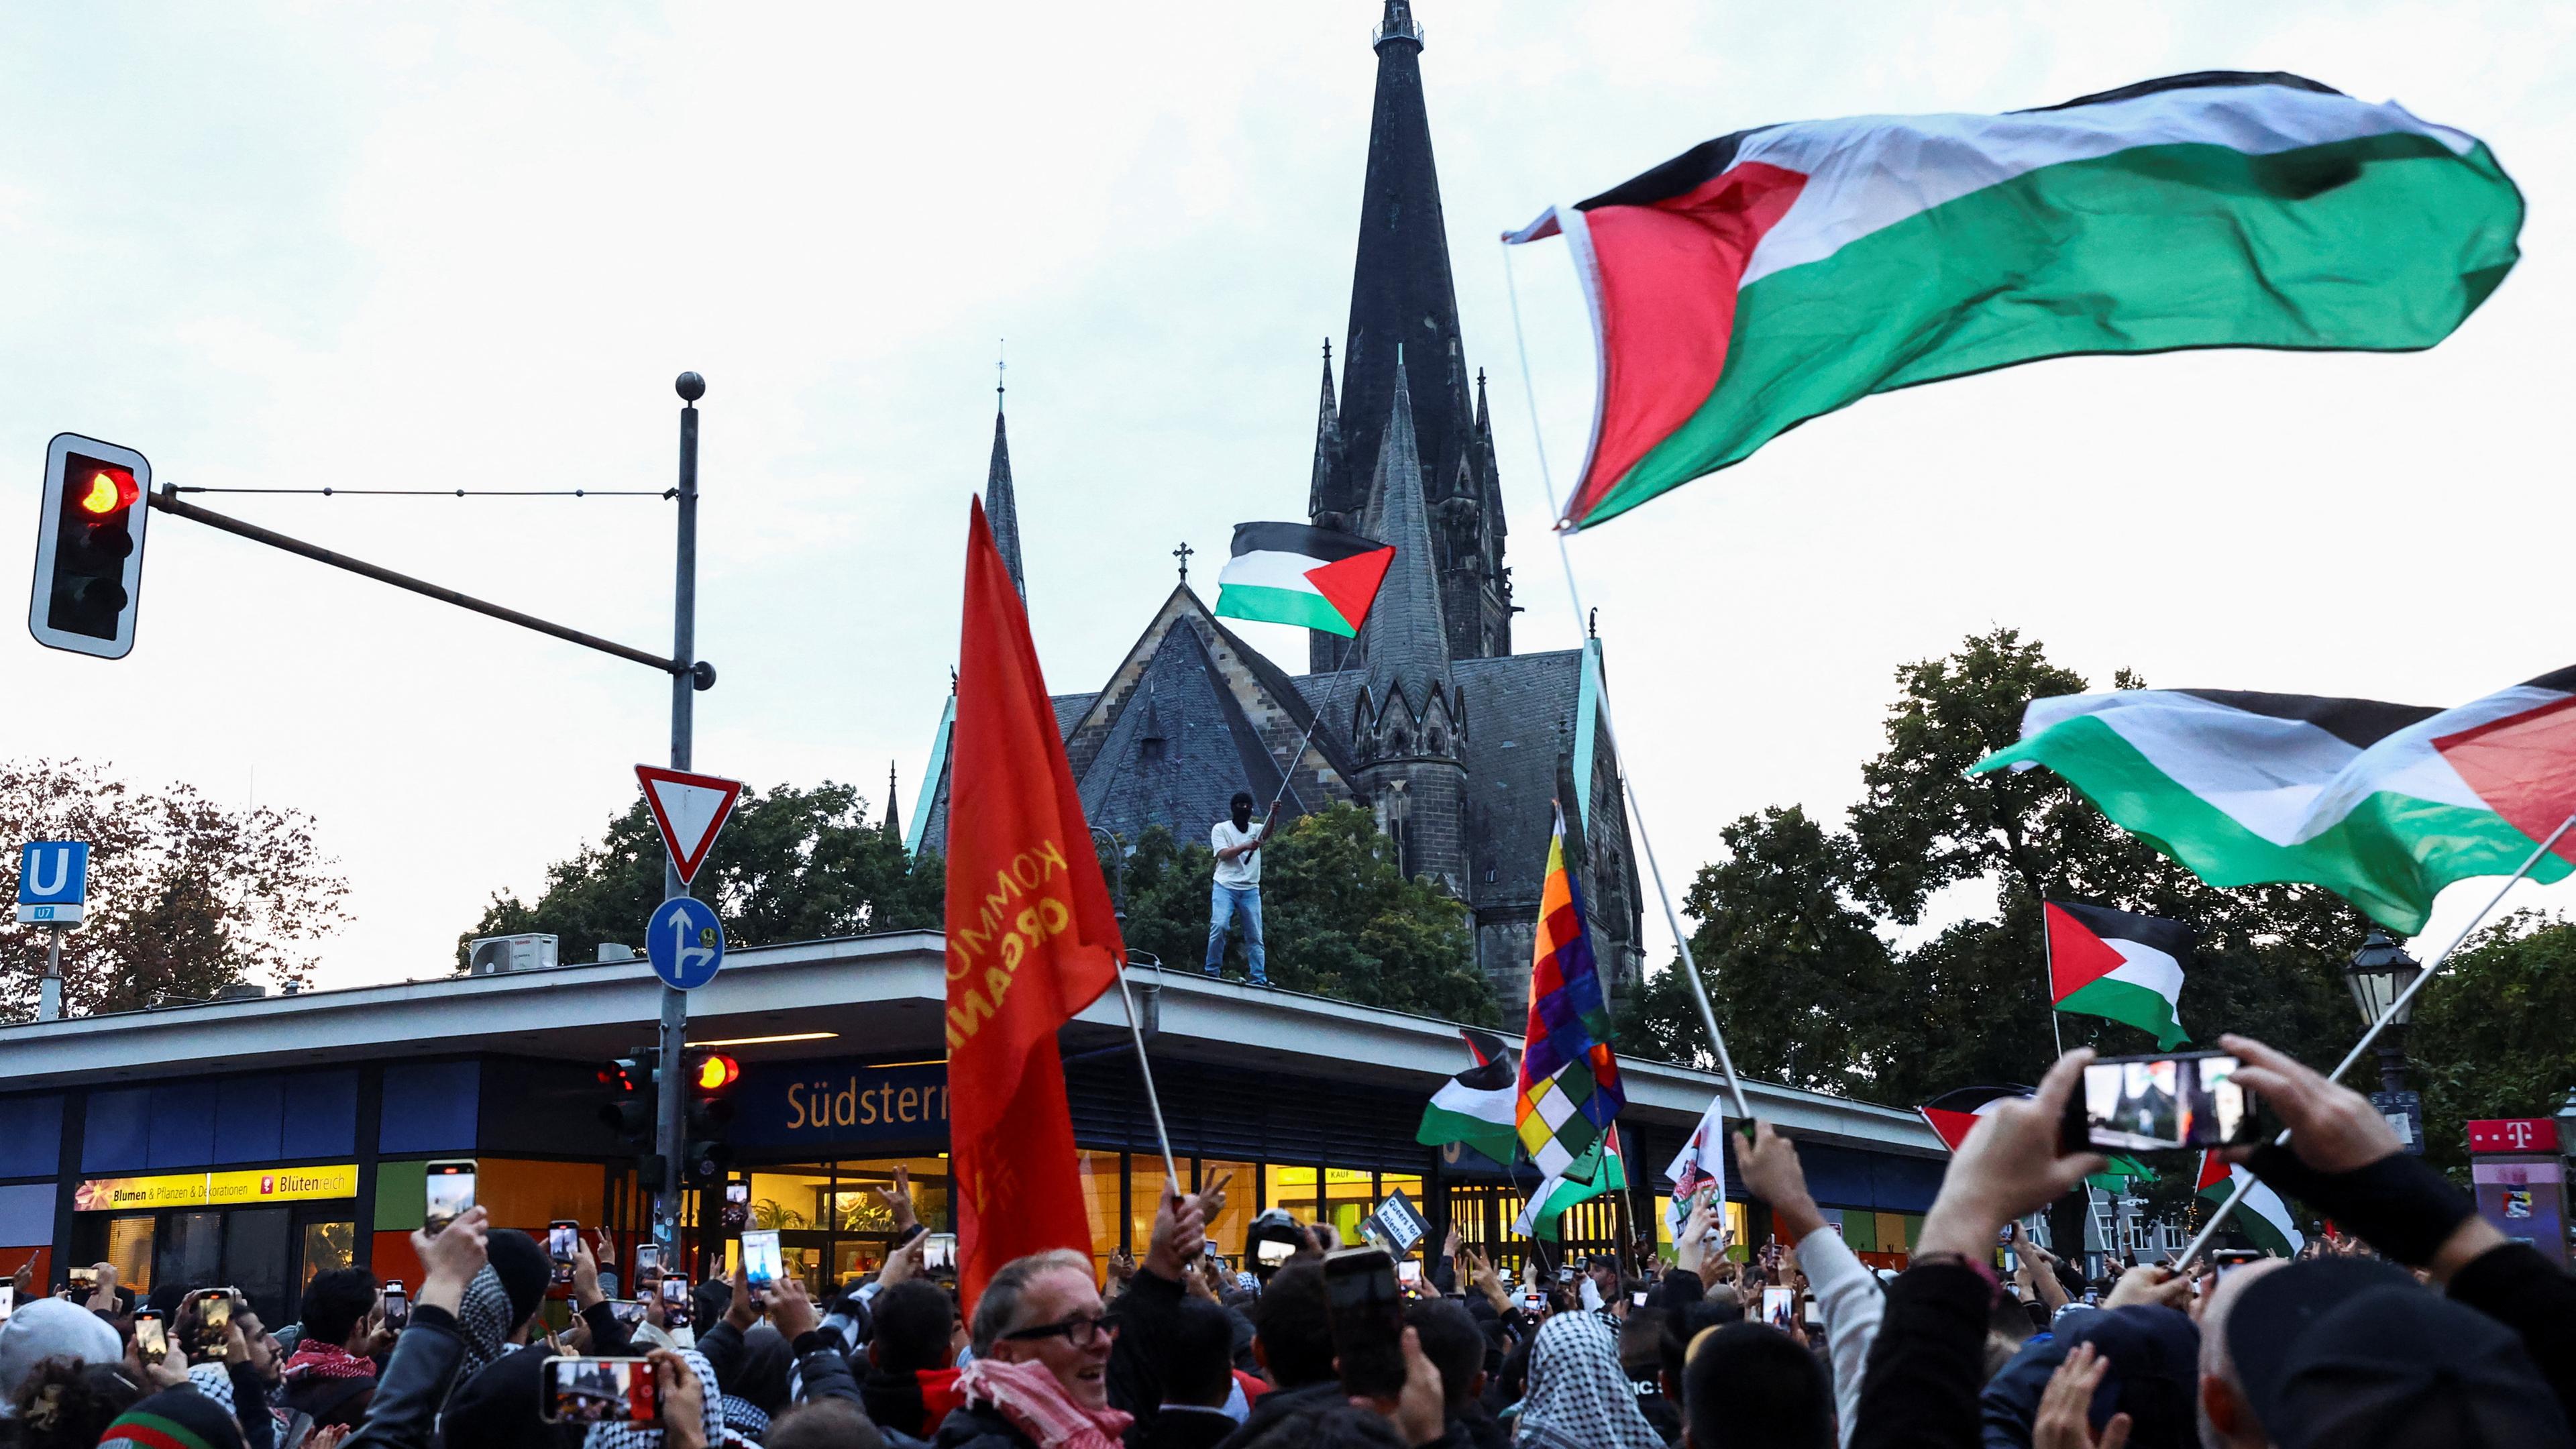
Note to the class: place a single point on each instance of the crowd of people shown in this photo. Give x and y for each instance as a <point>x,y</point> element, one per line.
<point>2444,1333</point>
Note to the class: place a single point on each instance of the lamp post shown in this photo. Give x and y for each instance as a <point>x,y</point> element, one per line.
<point>2379,973</point>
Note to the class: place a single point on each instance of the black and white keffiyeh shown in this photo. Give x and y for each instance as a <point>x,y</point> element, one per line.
<point>1579,1397</point>
<point>628,1436</point>
<point>484,1321</point>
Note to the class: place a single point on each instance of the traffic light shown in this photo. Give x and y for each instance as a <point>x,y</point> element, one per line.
<point>633,1096</point>
<point>89,547</point>
<point>703,1153</point>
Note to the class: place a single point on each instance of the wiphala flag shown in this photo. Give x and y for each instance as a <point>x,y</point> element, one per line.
<point>2384,804</point>
<point>1777,274</point>
<point>2120,965</point>
<point>1314,578</point>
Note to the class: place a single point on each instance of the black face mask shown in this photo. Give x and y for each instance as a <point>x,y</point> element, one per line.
<point>1242,818</point>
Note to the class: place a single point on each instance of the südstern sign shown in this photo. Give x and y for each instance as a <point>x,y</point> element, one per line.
<point>801,1104</point>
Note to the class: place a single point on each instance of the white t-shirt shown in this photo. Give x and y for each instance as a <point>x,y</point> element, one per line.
<point>1244,871</point>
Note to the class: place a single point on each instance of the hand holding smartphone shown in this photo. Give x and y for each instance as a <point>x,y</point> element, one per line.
<point>761,1267</point>
<point>2172,1102</point>
<point>396,1304</point>
<point>448,1190</point>
<point>599,1391</point>
<point>151,1336</point>
<point>563,1239</point>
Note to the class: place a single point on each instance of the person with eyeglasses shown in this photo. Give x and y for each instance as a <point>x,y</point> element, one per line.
<point>1040,1374</point>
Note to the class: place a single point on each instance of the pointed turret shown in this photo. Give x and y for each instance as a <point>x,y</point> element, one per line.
<point>1407,640</point>
<point>1001,508</point>
<point>1328,454</point>
<point>893,831</point>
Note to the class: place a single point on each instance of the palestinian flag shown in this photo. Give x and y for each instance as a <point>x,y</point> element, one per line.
<point>1477,1107</point>
<point>2262,1216</point>
<point>1601,1170</point>
<point>2127,967</point>
<point>1952,1115</point>
<point>1486,1046</point>
<point>2385,804</point>
<point>1314,578</point>
<point>1774,275</point>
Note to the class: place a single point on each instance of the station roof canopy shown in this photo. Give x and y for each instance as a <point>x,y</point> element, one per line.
<point>880,996</point>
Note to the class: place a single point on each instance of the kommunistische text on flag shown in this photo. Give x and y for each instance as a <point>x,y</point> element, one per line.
<point>2383,804</point>
<point>1772,276</point>
<point>1031,938</point>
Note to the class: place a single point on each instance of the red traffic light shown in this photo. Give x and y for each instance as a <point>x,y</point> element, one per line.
<point>107,491</point>
<point>715,1072</point>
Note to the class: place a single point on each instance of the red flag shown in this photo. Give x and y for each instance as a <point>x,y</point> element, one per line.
<point>1031,938</point>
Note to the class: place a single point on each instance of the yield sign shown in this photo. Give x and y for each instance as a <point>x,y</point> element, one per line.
<point>689,810</point>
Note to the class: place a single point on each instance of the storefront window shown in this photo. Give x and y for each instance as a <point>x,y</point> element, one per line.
<point>791,1201</point>
<point>329,1246</point>
<point>1144,1198</point>
<point>1349,1195</point>
<point>1229,1226</point>
<point>129,1247</point>
<point>1099,1173</point>
<point>1292,1189</point>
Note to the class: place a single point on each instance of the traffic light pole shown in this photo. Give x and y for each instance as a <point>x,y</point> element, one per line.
<point>684,687</point>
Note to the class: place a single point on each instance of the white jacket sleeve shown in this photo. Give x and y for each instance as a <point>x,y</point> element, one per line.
<point>1848,1294</point>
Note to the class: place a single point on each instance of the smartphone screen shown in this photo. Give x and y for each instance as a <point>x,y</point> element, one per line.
<point>648,1259</point>
<point>449,1191</point>
<point>397,1305</point>
<point>760,1265</point>
<point>1638,1298</point>
<point>1533,1303</point>
<point>737,1206</point>
<point>2228,1260</point>
<point>1409,1273</point>
<point>629,1311</point>
<point>151,1339</point>
<point>1367,1313</point>
<point>1271,1252</point>
<point>1779,1307</point>
<point>939,1253</point>
<point>675,1302</point>
<point>2184,1100</point>
<point>214,1322</point>
<point>563,1236</point>
<point>85,1279</point>
<point>599,1391</point>
<point>8,1300</point>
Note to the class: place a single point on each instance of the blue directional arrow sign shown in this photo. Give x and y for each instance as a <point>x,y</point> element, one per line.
<point>53,882</point>
<point>685,942</point>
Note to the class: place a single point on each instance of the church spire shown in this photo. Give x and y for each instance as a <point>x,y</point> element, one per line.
<point>1408,644</point>
<point>1328,453</point>
<point>893,831</point>
<point>1402,293</point>
<point>1001,507</point>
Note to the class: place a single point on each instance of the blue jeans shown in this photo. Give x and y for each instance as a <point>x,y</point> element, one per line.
<point>1224,904</point>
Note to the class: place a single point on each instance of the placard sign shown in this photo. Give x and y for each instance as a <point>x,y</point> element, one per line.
<point>1399,1223</point>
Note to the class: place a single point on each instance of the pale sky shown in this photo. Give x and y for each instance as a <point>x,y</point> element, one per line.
<point>291,245</point>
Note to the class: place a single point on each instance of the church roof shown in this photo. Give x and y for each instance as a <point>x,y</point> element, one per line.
<point>1405,639</point>
<point>1001,501</point>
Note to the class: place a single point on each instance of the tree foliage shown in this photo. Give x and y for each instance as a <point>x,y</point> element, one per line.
<point>2490,1037</point>
<point>791,865</point>
<point>1796,926</point>
<point>1340,917</point>
<point>186,896</point>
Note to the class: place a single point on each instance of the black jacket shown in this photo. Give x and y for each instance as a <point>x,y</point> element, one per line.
<point>1188,1429</point>
<point>1146,1311</point>
<point>414,1383</point>
<point>1929,1360</point>
<point>823,1372</point>
<point>894,1402</point>
<point>2517,1287</point>
<point>1279,1404</point>
<point>972,1426</point>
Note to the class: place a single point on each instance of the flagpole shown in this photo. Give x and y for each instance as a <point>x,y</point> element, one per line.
<point>1628,777</point>
<point>1288,774</point>
<point>2048,984</point>
<point>2219,1218</point>
<point>1153,1103</point>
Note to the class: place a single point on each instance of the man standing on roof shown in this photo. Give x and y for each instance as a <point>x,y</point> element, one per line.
<point>1237,891</point>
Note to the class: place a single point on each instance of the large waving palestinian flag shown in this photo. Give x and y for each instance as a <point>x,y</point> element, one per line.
<point>2118,964</point>
<point>1777,274</point>
<point>2385,804</point>
<point>2262,1217</point>
<point>1315,578</point>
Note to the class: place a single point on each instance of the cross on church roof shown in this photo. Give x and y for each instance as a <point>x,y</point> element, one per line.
<point>1183,554</point>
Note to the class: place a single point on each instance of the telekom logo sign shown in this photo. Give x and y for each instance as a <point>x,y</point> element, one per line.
<point>2513,1134</point>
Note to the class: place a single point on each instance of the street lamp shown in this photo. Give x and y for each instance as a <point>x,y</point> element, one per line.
<point>2379,974</point>
<point>2566,1120</point>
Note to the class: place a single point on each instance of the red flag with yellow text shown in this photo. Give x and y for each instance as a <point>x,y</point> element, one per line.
<point>1031,938</point>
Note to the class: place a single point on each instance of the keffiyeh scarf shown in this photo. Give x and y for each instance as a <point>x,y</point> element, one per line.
<point>215,1382</point>
<point>628,1436</point>
<point>1030,1397</point>
<point>1579,1397</point>
<point>326,1361</point>
<point>483,1321</point>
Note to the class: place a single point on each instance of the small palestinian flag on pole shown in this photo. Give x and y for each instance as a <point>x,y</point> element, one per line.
<point>1602,1170</point>
<point>2127,967</point>
<point>1765,278</point>
<point>2263,1217</point>
<point>1479,1107</point>
<point>1313,578</point>
<point>2383,804</point>
<point>1953,1115</point>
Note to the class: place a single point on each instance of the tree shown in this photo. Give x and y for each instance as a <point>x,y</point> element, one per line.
<point>1340,917</point>
<point>791,865</point>
<point>2490,1038</point>
<point>186,896</point>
